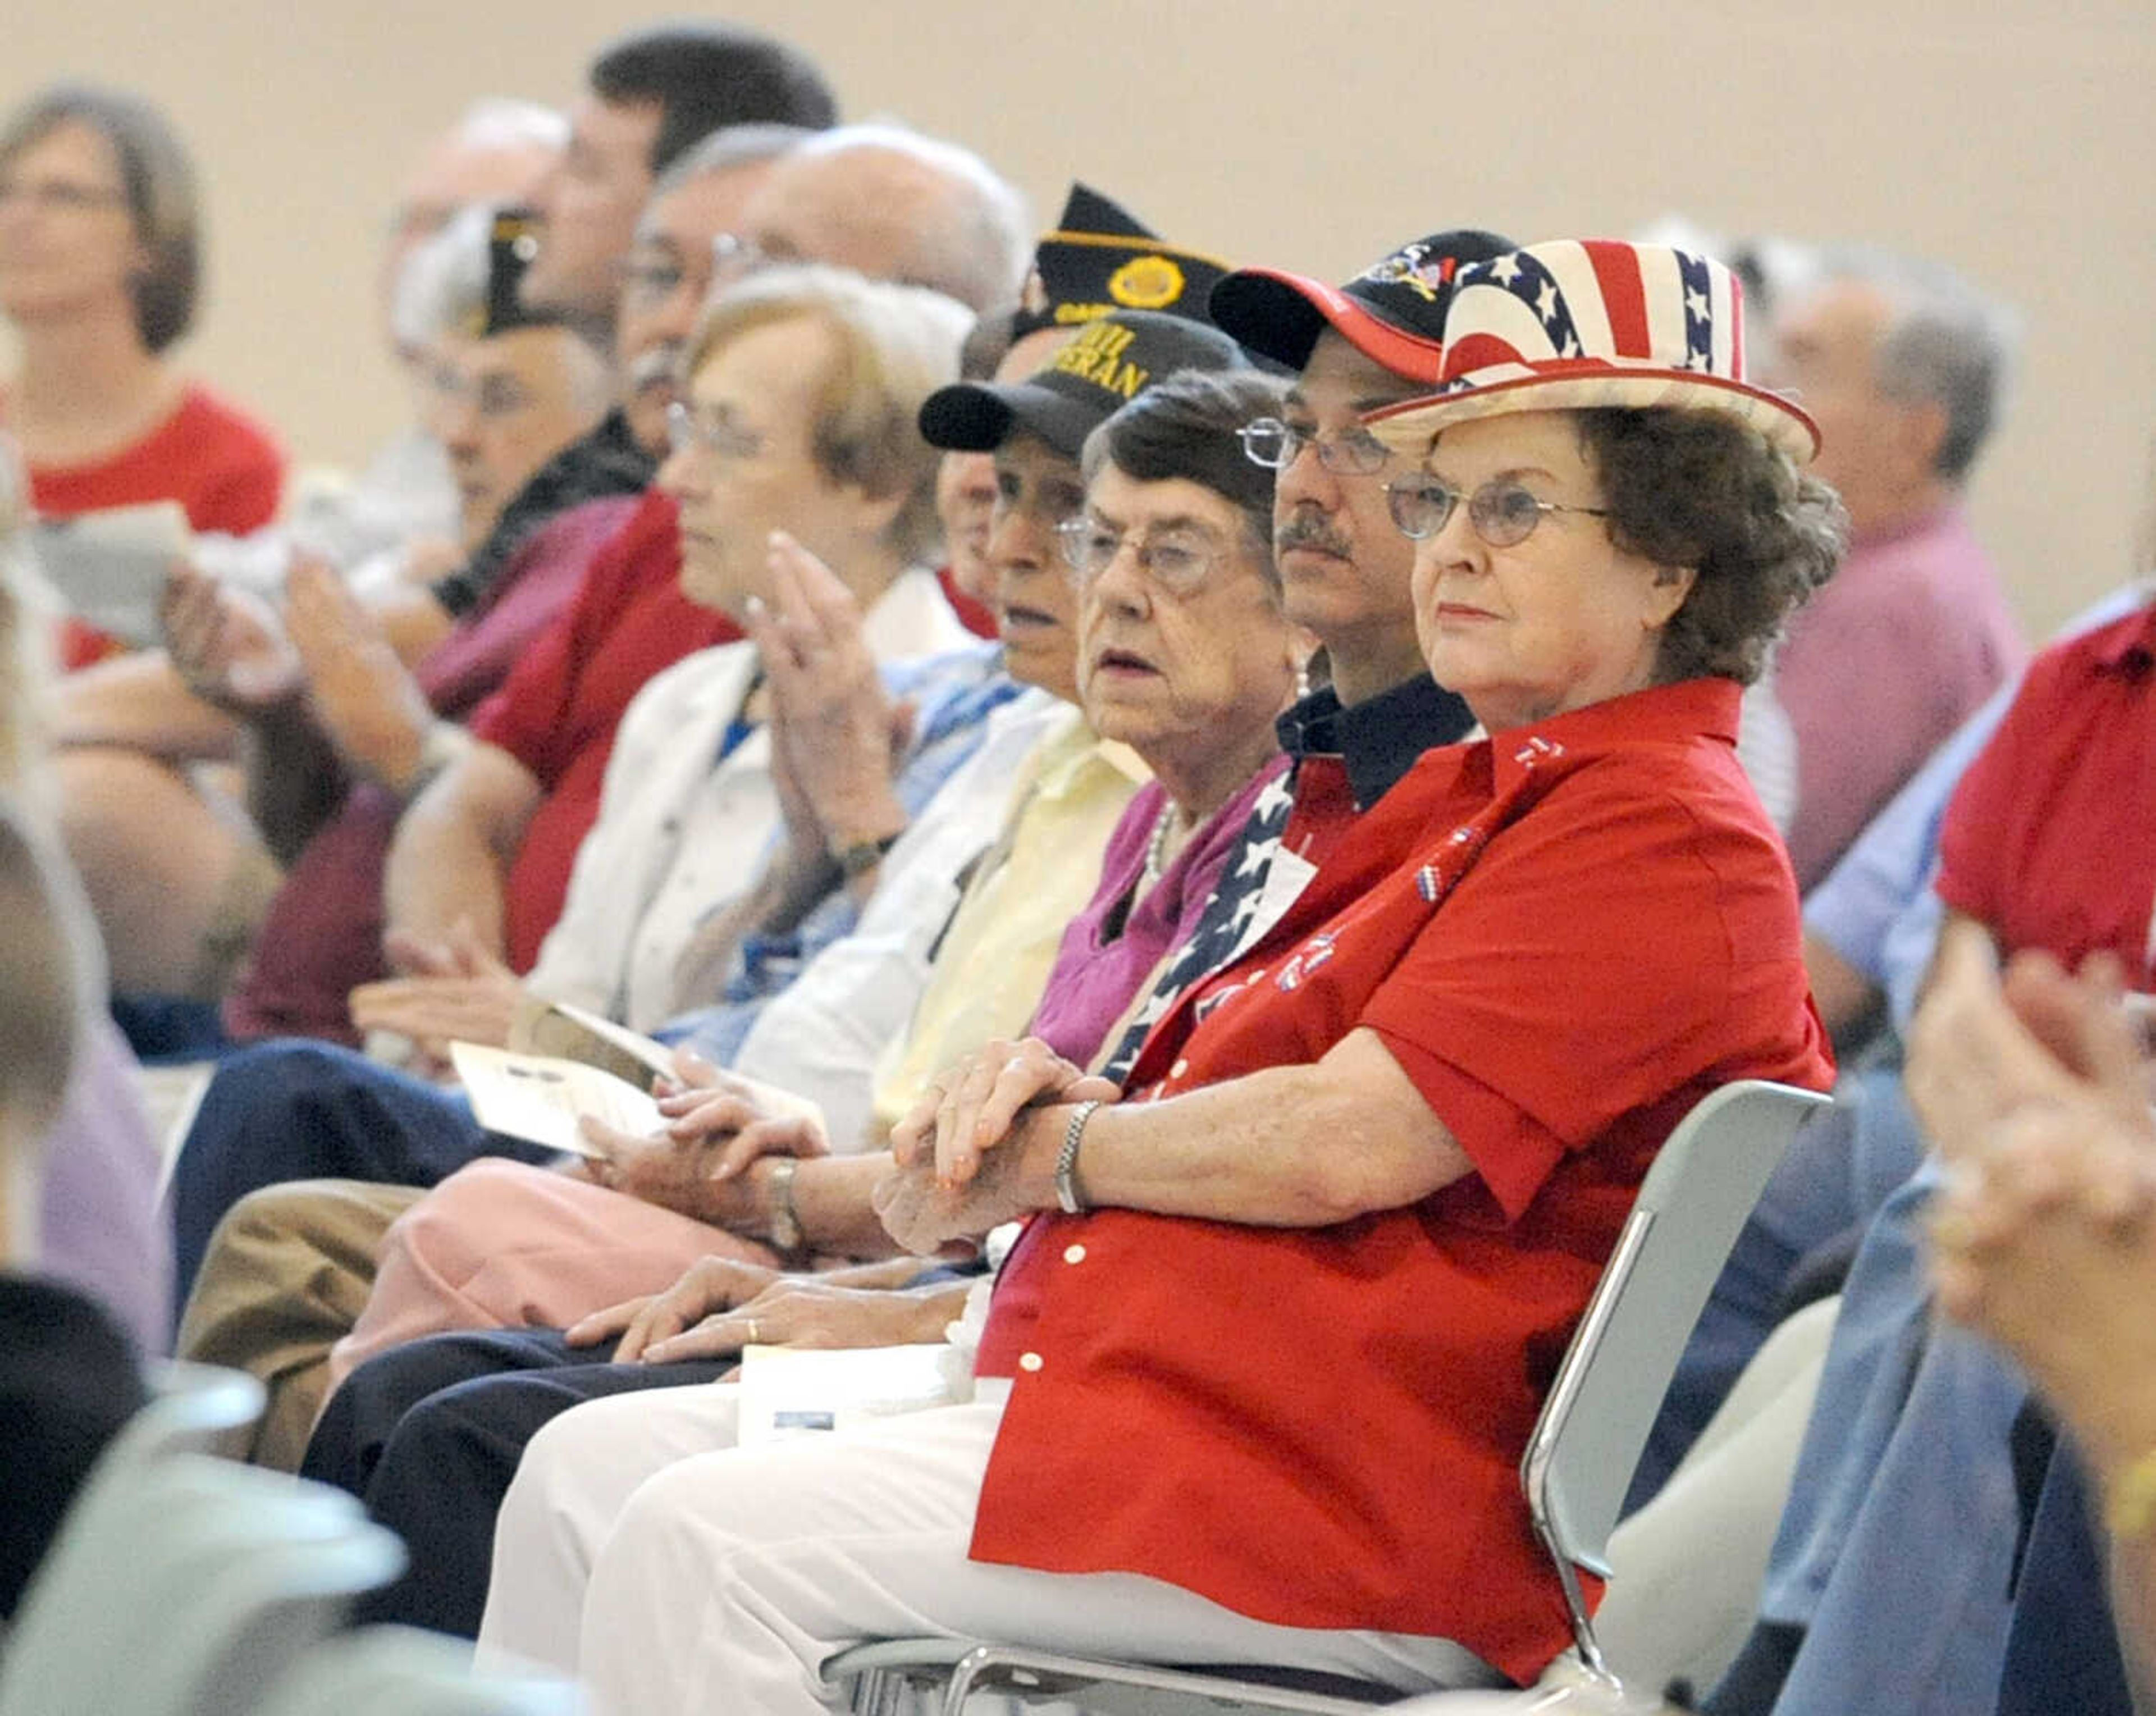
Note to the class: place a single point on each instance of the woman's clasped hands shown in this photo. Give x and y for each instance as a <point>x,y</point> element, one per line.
<point>964,1159</point>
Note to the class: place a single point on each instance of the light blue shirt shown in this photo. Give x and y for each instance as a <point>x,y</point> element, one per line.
<point>953,694</point>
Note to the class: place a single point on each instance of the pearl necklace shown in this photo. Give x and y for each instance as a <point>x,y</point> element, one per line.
<point>1157,849</point>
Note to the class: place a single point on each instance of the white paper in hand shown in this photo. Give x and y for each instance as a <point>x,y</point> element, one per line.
<point>109,566</point>
<point>541,1099</point>
<point>559,1028</point>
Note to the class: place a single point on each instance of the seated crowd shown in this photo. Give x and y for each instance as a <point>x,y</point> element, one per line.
<point>1170,839</point>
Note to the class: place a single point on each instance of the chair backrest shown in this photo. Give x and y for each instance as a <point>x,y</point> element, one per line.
<point>399,1670</point>
<point>181,1583</point>
<point>193,1408</point>
<point>1696,1197</point>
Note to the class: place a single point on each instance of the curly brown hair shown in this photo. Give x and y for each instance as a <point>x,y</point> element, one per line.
<point>1698,488</point>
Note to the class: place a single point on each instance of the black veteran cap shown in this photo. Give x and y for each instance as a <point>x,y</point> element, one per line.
<point>1102,258</point>
<point>1107,364</point>
<point>1393,312</point>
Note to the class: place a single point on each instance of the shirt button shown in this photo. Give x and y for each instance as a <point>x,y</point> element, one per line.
<point>1029,1361</point>
<point>1179,1069</point>
<point>1074,1254</point>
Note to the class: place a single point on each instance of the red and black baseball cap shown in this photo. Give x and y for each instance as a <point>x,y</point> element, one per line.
<point>1393,312</point>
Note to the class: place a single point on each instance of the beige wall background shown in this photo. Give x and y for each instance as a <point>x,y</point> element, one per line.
<point>2015,140</point>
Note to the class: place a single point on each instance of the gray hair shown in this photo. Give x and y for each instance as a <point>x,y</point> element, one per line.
<point>442,284</point>
<point>501,122</point>
<point>1946,344</point>
<point>1184,429</point>
<point>979,252</point>
<point>895,345</point>
<point>729,149</point>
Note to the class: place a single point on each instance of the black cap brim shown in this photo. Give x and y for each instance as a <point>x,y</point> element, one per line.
<point>978,417</point>
<point>1269,313</point>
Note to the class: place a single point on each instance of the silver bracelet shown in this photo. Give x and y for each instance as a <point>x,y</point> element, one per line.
<point>1066,1161</point>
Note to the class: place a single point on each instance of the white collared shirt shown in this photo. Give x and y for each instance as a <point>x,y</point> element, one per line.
<point>681,831</point>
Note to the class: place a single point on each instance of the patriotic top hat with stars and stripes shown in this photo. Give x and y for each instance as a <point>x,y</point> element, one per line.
<point>1578,324</point>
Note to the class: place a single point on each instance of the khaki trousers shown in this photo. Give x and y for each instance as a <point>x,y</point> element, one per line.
<point>288,1271</point>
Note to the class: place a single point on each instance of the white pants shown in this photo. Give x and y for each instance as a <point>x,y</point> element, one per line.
<point>576,1476</point>
<point>729,1578</point>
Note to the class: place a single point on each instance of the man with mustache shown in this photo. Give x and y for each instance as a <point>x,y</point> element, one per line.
<point>1343,568</point>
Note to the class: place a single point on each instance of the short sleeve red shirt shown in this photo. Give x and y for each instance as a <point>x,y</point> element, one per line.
<point>224,468</point>
<point>1566,935</point>
<point>211,457</point>
<point>2047,841</point>
<point>559,709</point>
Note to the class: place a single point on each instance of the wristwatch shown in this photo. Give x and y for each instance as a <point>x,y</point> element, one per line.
<point>784,1229</point>
<point>858,857</point>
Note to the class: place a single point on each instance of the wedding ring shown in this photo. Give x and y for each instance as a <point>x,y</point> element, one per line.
<point>755,1339</point>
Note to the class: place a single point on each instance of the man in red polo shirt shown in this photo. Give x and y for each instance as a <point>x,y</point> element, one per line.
<point>491,840</point>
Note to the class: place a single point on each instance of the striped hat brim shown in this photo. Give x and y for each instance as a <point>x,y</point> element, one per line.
<point>1408,427</point>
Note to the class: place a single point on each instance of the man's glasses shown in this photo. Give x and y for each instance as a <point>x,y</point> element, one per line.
<point>1276,446</point>
<point>1178,560</point>
<point>494,397</point>
<point>1503,511</point>
<point>656,275</point>
<point>686,431</point>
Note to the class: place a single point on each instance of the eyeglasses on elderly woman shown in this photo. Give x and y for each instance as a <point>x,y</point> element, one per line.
<point>1503,511</point>
<point>688,429</point>
<point>1178,558</point>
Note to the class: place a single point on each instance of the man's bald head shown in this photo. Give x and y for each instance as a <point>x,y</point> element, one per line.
<point>892,204</point>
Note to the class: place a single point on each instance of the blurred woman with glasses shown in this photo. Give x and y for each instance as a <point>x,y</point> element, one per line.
<point>99,270</point>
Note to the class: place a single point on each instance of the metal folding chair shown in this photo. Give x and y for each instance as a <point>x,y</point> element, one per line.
<point>1579,1461</point>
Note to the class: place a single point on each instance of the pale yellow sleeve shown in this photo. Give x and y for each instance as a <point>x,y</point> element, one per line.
<point>995,957</point>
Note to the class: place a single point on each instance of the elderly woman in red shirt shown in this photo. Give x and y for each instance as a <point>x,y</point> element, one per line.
<point>1255,1379</point>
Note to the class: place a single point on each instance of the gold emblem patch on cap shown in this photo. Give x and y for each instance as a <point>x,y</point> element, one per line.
<point>1146,282</point>
<point>1098,356</point>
